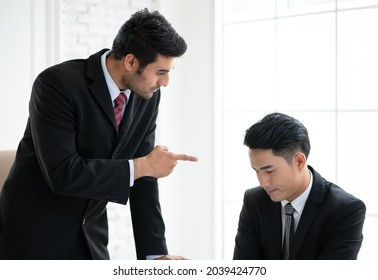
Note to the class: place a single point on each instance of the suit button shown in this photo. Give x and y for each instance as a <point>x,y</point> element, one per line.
<point>83,221</point>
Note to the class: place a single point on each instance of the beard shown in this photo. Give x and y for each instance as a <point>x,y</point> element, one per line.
<point>131,85</point>
<point>146,94</point>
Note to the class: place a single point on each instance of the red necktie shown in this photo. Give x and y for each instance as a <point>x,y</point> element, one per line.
<point>119,103</point>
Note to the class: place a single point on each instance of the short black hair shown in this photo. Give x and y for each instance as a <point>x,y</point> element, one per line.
<point>145,35</point>
<point>283,134</point>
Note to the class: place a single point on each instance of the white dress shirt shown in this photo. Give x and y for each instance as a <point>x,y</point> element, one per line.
<point>298,205</point>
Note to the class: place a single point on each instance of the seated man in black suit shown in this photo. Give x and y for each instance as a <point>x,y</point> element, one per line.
<point>327,221</point>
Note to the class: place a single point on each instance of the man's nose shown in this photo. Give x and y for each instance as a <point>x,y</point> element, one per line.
<point>164,80</point>
<point>264,180</point>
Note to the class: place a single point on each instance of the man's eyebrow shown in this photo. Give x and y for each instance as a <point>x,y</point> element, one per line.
<point>163,71</point>
<point>263,168</point>
<point>166,70</point>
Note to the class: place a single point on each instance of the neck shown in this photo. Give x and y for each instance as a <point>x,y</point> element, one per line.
<point>115,67</point>
<point>305,178</point>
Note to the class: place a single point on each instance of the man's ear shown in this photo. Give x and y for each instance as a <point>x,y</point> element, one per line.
<point>130,62</point>
<point>299,160</point>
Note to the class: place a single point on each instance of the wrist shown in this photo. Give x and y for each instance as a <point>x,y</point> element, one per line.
<point>140,167</point>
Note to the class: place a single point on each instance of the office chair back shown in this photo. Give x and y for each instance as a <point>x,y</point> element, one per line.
<point>6,161</point>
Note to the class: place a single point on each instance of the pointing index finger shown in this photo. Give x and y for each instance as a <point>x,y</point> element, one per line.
<point>185,157</point>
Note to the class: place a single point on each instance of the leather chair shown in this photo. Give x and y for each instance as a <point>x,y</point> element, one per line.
<point>6,161</point>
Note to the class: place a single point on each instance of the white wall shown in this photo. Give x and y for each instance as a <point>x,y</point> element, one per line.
<point>15,69</point>
<point>29,44</point>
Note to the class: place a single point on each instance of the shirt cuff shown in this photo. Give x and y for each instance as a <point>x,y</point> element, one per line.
<point>131,164</point>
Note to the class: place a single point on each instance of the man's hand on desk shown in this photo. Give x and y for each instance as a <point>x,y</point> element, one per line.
<point>171,257</point>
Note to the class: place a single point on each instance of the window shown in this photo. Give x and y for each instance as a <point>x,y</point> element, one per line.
<point>316,60</point>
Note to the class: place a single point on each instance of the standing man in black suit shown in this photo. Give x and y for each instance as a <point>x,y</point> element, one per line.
<point>327,220</point>
<point>83,148</point>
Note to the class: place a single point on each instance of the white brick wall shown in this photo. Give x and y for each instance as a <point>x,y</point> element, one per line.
<point>86,27</point>
<point>90,25</point>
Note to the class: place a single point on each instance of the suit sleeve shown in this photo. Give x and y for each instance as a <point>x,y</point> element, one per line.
<point>53,128</point>
<point>247,245</point>
<point>345,235</point>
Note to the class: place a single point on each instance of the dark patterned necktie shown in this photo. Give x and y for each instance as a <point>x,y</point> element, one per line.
<point>119,103</point>
<point>289,229</point>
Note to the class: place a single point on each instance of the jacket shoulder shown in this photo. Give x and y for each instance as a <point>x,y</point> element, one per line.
<point>334,196</point>
<point>340,197</point>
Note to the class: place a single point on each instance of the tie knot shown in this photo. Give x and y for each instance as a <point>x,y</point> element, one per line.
<point>289,209</point>
<point>120,100</point>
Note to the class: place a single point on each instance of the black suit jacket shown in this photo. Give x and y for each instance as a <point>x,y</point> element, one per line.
<point>330,226</point>
<point>70,162</point>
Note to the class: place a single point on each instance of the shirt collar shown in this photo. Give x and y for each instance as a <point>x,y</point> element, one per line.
<point>300,201</point>
<point>112,86</point>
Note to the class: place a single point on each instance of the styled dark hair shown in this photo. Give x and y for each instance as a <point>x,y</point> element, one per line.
<point>283,134</point>
<point>145,35</point>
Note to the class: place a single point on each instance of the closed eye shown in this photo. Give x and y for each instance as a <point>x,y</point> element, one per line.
<point>268,169</point>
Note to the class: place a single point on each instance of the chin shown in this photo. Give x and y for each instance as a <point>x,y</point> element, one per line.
<point>276,198</point>
<point>146,95</point>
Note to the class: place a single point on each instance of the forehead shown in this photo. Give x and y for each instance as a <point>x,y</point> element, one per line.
<point>260,158</point>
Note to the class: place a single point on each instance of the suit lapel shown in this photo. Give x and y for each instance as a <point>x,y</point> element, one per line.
<point>98,86</point>
<point>310,211</point>
<point>129,115</point>
<point>273,225</point>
